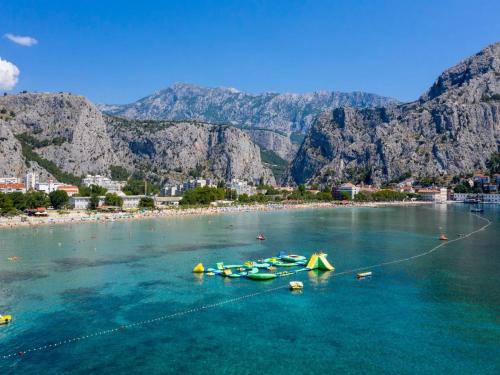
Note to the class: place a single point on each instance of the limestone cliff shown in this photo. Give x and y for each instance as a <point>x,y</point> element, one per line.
<point>453,128</point>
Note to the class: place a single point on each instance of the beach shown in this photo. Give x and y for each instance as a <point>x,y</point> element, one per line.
<point>83,216</point>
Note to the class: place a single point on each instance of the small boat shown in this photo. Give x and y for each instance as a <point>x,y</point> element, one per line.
<point>443,238</point>
<point>5,319</point>
<point>261,237</point>
<point>296,285</point>
<point>363,275</point>
<point>262,276</point>
<point>477,209</point>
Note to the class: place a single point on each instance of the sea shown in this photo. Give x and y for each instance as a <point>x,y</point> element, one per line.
<point>121,298</point>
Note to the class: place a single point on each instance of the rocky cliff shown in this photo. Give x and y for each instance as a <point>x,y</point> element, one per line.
<point>62,128</point>
<point>281,113</point>
<point>174,149</point>
<point>66,136</point>
<point>453,128</point>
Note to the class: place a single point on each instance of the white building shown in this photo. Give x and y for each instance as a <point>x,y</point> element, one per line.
<point>170,190</point>
<point>46,187</point>
<point>30,180</point>
<point>82,203</point>
<point>105,182</point>
<point>433,195</point>
<point>9,180</point>
<point>486,198</point>
<point>348,188</point>
<point>241,187</point>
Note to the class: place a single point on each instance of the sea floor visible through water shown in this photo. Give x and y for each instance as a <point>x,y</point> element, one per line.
<point>435,314</point>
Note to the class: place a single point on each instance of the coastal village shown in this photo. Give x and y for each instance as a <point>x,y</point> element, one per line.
<point>102,194</point>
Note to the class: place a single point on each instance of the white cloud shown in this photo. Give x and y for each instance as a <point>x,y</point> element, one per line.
<point>25,41</point>
<point>9,74</point>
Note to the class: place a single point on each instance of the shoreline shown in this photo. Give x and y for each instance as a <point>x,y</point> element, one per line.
<point>76,217</point>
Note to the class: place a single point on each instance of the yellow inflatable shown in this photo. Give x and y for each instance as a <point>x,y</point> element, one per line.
<point>199,268</point>
<point>5,319</point>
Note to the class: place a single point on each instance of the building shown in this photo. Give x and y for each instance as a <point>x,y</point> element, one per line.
<point>241,187</point>
<point>12,188</point>
<point>170,190</point>
<point>480,179</point>
<point>82,203</point>
<point>9,180</point>
<point>69,189</point>
<point>486,198</point>
<point>406,189</point>
<point>167,201</point>
<point>433,195</point>
<point>46,187</point>
<point>30,180</point>
<point>349,189</point>
<point>105,182</point>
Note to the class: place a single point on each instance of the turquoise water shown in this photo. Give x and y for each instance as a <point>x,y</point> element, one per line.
<point>439,313</point>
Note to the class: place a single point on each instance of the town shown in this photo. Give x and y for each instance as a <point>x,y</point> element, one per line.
<point>31,196</point>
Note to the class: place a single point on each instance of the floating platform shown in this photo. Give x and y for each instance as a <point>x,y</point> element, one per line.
<point>269,268</point>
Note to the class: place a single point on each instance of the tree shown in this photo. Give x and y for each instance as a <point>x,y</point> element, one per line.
<point>6,205</point>
<point>118,173</point>
<point>494,163</point>
<point>203,195</point>
<point>244,198</point>
<point>324,196</point>
<point>147,202</point>
<point>302,189</point>
<point>58,199</point>
<point>94,201</point>
<point>36,199</point>
<point>134,187</point>
<point>87,191</point>
<point>112,199</point>
<point>19,200</point>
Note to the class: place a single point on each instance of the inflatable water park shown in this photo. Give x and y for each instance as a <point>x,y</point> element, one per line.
<point>270,268</point>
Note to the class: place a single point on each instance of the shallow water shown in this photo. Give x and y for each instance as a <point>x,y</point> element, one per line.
<point>436,314</point>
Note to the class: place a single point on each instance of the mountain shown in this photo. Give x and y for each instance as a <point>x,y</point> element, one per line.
<point>271,119</point>
<point>174,149</point>
<point>65,136</point>
<point>453,128</point>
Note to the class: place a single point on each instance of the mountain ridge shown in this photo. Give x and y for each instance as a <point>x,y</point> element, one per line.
<point>452,128</point>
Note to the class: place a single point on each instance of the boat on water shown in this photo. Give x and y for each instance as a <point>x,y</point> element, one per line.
<point>363,275</point>
<point>261,237</point>
<point>477,208</point>
<point>296,285</point>
<point>443,237</point>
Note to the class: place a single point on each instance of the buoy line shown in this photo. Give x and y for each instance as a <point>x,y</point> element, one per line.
<point>235,299</point>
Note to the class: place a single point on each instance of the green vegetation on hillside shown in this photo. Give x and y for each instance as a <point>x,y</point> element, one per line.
<point>277,164</point>
<point>118,173</point>
<point>53,169</point>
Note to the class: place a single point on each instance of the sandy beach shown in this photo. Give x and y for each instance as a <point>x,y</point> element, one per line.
<point>74,216</point>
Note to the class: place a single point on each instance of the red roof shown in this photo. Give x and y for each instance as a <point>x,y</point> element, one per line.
<point>12,186</point>
<point>428,191</point>
<point>68,188</point>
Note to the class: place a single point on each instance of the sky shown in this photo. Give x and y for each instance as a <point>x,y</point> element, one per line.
<point>119,51</point>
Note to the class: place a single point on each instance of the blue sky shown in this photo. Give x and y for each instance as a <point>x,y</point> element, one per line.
<point>120,51</point>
